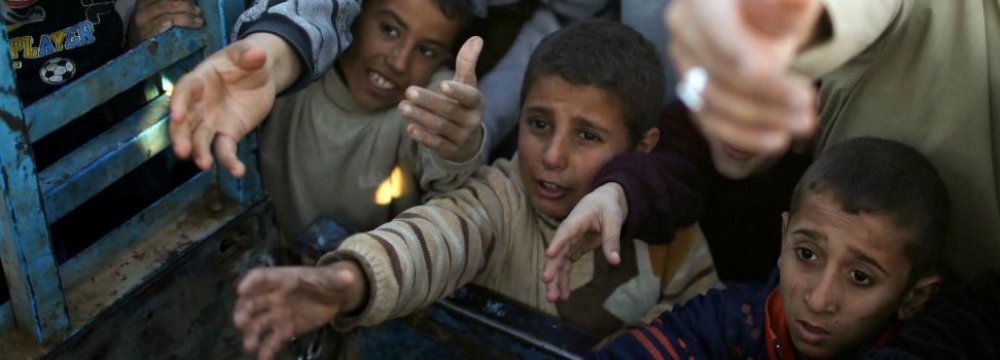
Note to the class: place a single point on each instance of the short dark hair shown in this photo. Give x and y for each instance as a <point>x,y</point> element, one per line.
<point>610,56</point>
<point>878,176</point>
<point>461,10</point>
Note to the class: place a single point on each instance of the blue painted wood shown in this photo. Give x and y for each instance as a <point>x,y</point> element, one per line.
<point>82,174</point>
<point>29,265</point>
<point>100,85</point>
<point>247,189</point>
<point>6,318</point>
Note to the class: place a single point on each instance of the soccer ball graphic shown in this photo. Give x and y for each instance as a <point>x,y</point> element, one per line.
<point>57,71</point>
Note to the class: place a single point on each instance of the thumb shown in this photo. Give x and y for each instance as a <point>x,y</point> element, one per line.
<point>465,63</point>
<point>781,18</point>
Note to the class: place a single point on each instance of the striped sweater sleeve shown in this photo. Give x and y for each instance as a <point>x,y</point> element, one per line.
<point>428,251</point>
<point>318,30</point>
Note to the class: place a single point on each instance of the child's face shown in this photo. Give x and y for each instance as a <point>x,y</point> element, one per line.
<point>397,43</point>
<point>567,134</point>
<point>843,276</point>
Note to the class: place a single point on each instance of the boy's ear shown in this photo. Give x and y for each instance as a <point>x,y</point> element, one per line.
<point>918,295</point>
<point>784,223</point>
<point>648,141</point>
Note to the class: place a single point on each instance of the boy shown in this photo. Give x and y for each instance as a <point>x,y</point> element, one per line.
<point>859,253</point>
<point>592,91</point>
<point>341,149</point>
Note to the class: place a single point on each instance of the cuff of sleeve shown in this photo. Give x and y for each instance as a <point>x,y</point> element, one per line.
<point>295,37</point>
<point>856,25</point>
<point>381,294</point>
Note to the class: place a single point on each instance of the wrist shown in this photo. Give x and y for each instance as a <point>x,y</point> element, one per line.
<point>283,64</point>
<point>617,193</point>
<point>356,291</point>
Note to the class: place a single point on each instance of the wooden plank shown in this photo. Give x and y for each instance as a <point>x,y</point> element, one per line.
<point>86,171</point>
<point>101,84</point>
<point>28,261</point>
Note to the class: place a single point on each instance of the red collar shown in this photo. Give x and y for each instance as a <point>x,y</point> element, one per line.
<point>779,339</point>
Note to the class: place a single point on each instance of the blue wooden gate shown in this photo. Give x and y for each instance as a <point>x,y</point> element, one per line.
<point>48,301</point>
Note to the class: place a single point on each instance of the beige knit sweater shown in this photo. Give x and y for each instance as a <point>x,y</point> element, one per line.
<point>488,233</point>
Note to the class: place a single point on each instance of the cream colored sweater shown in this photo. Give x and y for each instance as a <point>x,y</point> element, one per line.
<point>488,233</point>
<point>322,154</point>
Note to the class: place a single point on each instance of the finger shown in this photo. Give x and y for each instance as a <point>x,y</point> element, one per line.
<point>437,104</point>
<point>466,95</point>
<point>202,145</point>
<point>258,281</point>
<point>436,143</point>
<point>149,13</point>
<point>429,121</point>
<point>610,244</point>
<point>551,291</point>
<point>184,20</point>
<point>564,281</point>
<point>776,105</point>
<point>748,139</point>
<point>246,55</point>
<point>226,151</point>
<point>465,62</point>
<point>188,92</point>
<point>281,332</point>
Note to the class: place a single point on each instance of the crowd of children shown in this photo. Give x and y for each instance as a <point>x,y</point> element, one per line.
<point>363,122</point>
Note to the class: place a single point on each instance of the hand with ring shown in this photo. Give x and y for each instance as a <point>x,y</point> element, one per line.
<point>735,57</point>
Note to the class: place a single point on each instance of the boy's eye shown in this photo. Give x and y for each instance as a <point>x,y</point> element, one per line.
<point>860,277</point>
<point>538,123</point>
<point>589,136</point>
<point>806,254</point>
<point>428,52</point>
<point>389,30</point>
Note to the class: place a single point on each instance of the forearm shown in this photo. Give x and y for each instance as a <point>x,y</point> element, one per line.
<point>317,31</point>
<point>415,259</point>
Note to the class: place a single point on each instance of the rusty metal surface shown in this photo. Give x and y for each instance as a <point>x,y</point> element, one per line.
<point>183,311</point>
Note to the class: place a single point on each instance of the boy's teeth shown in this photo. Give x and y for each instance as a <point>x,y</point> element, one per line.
<point>380,81</point>
<point>550,186</point>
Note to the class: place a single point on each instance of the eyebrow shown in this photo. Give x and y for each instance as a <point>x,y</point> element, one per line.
<point>590,124</point>
<point>815,235</point>
<point>405,26</point>
<point>866,259</point>
<point>812,234</point>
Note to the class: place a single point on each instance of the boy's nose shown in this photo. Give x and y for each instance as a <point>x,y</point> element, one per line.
<point>823,296</point>
<point>555,154</point>
<point>399,60</point>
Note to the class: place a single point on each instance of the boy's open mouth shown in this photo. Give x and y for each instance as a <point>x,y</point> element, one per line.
<point>381,82</point>
<point>551,190</point>
<point>811,333</point>
<point>735,153</point>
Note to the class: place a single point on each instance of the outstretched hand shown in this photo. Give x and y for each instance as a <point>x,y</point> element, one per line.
<point>752,100</point>
<point>276,304</point>
<point>449,123</point>
<point>596,221</point>
<point>226,96</point>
